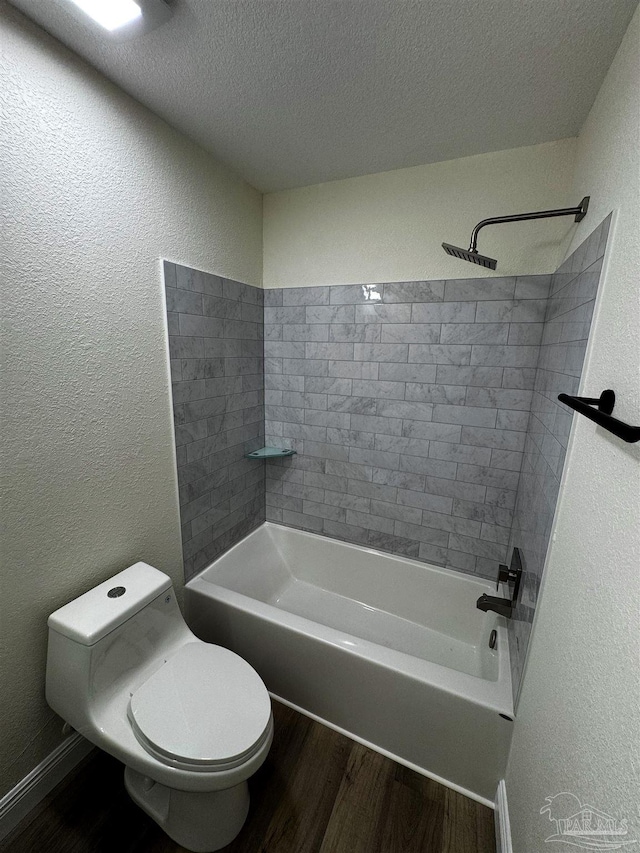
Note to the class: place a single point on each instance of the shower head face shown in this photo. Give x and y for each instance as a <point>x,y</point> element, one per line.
<point>469,255</point>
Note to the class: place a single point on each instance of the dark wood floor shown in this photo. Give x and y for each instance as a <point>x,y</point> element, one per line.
<point>318,792</point>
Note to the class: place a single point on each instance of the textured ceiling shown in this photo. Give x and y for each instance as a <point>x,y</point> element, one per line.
<point>295,92</point>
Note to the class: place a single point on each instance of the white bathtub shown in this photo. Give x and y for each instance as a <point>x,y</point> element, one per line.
<point>388,650</point>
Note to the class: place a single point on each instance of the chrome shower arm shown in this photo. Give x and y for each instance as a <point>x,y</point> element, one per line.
<point>579,212</point>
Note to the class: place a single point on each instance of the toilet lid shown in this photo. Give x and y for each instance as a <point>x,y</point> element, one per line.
<point>205,709</point>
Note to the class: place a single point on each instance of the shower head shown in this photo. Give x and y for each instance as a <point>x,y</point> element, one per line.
<point>473,256</point>
<point>470,255</point>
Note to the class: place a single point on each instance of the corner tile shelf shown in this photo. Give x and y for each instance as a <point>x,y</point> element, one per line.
<point>269,453</point>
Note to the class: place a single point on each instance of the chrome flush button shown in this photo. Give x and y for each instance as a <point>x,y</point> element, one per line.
<point>116,591</point>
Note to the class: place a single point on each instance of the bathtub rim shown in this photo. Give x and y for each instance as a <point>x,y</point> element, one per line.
<point>492,695</point>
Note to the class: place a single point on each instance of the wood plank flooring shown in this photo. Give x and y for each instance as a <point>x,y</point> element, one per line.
<point>318,792</point>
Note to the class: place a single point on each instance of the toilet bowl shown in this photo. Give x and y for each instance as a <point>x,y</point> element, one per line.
<point>190,721</point>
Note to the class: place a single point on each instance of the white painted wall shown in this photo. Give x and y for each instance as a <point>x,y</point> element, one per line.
<point>95,189</point>
<point>390,226</point>
<point>578,723</point>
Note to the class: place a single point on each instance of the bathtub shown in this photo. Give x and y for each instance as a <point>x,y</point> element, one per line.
<point>390,651</point>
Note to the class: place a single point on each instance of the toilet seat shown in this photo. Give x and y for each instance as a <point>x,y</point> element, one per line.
<point>206,709</point>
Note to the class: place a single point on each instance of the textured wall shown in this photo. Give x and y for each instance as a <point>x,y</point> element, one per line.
<point>390,226</point>
<point>564,342</point>
<point>577,726</point>
<point>95,189</point>
<point>407,404</point>
<point>215,344</point>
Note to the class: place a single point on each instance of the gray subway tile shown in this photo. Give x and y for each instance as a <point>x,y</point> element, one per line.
<point>512,311</point>
<point>429,467</point>
<point>374,491</point>
<point>425,501</point>
<point>185,347</point>
<point>338,420</point>
<point>501,398</point>
<point>348,532</point>
<point>354,405</point>
<point>288,315</point>
<point>411,333</point>
<point>340,352</point>
<point>443,312</point>
<point>517,420</point>
<point>489,377</point>
<point>329,314</point>
<point>192,325</point>
<point>397,512</point>
<point>374,457</point>
<point>350,470</point>
<point>347,501</point>
<point>501,439</point>
<point>375,313</point>
<point>416,411</point>
<point>372,423</point>
<point>328,451</point>
<point>401,479</point>
<point>465,453</point>
<point>183,301</point>
<point>305,296</point>
<point>466,415</point>
<point>505,356</point>
<point>397,372</point>
<point>524,333</point>
<point>455,489</point>
<point>305,521</point>
<point>169,272</point>
<point>378,389</point>
<point>353,333</point>
<point>477,547</point>
<point>511,460</point>
<point>485,476</point>
<point>380,352</point>
<point>369,521</point>
<point>431,431</point>
<point>346,369</point>
<point>440,353</point>
<point>421,533</point>
<point>414,291</point>
<point>474,333</point>
<point>477,289</point>
<point>522,378</point>
<point>350,294</point>
<point>304,332</point>
<point>328,385</point>
<point>483,512</point>
<point>284,349</point>
<point>428,393</point>
<point>273,297</point>
<point>322,510</point>
<point>225,309</point>
<point>533,286</point>
<point>305,366</point>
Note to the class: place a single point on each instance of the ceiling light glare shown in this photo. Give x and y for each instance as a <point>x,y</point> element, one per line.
<point>110,14</point>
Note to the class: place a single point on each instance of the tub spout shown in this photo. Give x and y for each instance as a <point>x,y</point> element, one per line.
<point>501,606</point>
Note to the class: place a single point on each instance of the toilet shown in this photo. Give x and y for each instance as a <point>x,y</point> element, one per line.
<point>190,721</point>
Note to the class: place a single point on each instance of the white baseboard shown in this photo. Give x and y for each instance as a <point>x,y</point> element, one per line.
<point>35,786</point>
<point>503,827</point>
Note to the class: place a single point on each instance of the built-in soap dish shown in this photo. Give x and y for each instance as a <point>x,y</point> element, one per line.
<point>270,453</point>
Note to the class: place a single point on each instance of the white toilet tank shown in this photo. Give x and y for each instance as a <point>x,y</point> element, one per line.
<point>106,642</point>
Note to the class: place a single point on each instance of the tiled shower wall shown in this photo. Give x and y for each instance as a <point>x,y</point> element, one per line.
<point>216,349</point>
<point>564,342</point>
<point>408,405</point>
